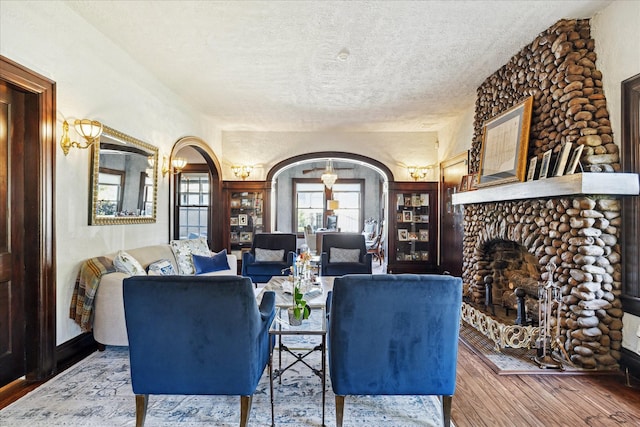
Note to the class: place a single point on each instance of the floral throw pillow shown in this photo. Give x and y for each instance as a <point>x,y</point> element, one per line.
<point>162,267</point>
<point>344,255</point>
<point>269,255</point>
<point>183,249</point>
<point>127,264</point>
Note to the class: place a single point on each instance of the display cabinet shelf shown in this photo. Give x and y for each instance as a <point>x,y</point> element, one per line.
<point>413,231</point>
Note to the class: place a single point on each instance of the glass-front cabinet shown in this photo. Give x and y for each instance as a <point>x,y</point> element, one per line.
<point>246,207</point>
<point>413,231</point>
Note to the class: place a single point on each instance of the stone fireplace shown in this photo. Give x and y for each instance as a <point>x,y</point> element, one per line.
<point>578,235</point>
<point>571,222</point>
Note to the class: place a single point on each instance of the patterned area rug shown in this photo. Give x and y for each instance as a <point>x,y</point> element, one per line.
<point>508,361</point>
<point>97,392</point>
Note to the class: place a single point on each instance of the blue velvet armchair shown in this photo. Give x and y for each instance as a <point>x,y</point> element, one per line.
<point>344,253</point>
<point>259,263</point>
<point>200,335</point>
<point>394,335</point>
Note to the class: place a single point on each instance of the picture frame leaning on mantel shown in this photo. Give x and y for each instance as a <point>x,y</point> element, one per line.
<point>505,141</point>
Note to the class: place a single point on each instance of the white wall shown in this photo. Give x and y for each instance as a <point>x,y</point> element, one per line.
<point>97,80</point>
<point>617,36</point>
<point>456,136</point>
<point>396,150</point>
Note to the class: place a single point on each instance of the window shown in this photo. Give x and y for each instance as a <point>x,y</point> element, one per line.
<point>309,205</point>
<point>110,184</point>
<point>193,205</point>
<point>349,197</point>
<point>145,204</point>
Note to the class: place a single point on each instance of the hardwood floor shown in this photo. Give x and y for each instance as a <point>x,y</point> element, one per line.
<point>484,398</point>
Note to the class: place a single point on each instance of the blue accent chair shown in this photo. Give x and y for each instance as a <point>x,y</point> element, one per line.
<point>200,335</point>
<point>394,335</point>
<point>328,265</point>
<point>262,271</point>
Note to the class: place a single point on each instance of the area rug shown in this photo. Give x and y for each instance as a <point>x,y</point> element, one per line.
<point>509,361</point>
<point>97,392</point>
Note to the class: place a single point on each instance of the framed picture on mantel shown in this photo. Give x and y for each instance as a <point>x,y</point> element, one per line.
<point>505,140</point>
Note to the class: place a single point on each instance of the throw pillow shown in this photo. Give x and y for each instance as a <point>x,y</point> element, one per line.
<point>269,255</point>
<point>344,255</point>
<point>209,264</point>
<point>127,264</point>
<point>162,267</point>
<point>183,249</point>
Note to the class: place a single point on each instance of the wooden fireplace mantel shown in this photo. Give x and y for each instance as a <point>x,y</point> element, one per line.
<point>614,184</point>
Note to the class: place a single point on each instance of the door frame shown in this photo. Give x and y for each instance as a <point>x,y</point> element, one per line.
<point>216,216</point>
<point>462,158</point>
<point>39,221</point>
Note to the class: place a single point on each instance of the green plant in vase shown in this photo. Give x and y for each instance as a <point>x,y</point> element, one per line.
<point>300,310</point>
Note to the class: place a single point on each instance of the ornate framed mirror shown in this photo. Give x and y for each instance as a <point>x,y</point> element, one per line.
<point>124,182</point>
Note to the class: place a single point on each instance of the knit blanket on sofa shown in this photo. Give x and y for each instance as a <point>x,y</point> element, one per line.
<point>84,292</point>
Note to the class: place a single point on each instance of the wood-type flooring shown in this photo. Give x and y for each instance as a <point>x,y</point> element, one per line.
<point>484,398</point>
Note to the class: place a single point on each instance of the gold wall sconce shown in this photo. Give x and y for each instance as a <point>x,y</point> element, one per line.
<point>242,171</point>
<point>90,130</point>
<point>332,205</point>
<point>418,173</point>
<point>174,167</point>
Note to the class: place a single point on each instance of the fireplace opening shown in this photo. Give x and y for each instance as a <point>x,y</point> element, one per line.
<point>504,266</point>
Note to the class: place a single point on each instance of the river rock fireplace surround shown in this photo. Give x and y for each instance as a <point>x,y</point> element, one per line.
<point>573,221</point>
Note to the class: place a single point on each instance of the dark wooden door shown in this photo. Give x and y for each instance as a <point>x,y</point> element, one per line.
<point>451,226</point>
<point>631,205</point>
<point>12,325</point>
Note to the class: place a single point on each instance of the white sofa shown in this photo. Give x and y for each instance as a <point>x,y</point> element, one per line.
<point>108,323</point>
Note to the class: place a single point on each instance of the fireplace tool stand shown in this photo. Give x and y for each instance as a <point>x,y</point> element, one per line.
<point>549,296</point>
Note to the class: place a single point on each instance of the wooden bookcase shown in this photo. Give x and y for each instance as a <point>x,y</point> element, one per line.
<point>246,213</point>
<point>413,227</point>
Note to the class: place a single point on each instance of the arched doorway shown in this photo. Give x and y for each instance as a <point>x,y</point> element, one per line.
<point>369,177</point>
<point>195,190</point>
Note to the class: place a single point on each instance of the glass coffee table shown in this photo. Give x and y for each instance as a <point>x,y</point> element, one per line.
<point>315,325</point>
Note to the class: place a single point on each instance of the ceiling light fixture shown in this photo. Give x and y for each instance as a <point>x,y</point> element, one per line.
<point>329,176</point>
<point>343,54</point>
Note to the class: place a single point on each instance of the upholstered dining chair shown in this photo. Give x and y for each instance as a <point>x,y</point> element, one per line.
<point>375,248</point>
<point>344,253</point>
<point>394,335</point>
<point>270,254</point>
<point>200,335</point>
<point>310,238</point>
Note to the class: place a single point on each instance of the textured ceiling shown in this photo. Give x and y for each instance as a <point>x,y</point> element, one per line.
<point>275,66</point>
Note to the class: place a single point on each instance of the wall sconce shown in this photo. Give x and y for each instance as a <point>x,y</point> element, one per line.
<point>418,173</point>
<point>177,164</point>
<point>329,176</point>
<point>90,130</point>
<point>242,171</point>
<point>332,205</point>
